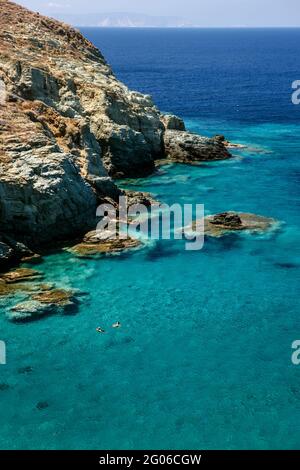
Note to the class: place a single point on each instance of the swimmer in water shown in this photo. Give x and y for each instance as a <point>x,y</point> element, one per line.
<point>100,330</point>
<point>117,325</point>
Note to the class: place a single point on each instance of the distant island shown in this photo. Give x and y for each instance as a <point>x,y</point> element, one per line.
<point>125,20</point>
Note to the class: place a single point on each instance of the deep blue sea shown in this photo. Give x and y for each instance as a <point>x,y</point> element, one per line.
<point>203,358</point>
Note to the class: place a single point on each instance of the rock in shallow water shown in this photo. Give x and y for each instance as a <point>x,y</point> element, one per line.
<point>42,405</point>
<point>230,222</point>
<point>29,310</point>
<point>25,370</point>
<point>94,245</point>
<point>184,147</point>
<point>42,304</point>
<point>19,280</point>
<point>4,387</point>
<point>220,224</point>
<point>57,297</point>
<point>8,289</point>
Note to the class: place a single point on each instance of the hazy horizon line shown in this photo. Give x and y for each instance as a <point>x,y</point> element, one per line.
<point>186,27</point>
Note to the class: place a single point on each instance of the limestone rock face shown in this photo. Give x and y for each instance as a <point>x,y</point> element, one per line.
<point>172,122</point>
<point>6,252</point>
<point>43,194</point>
<point>185,147</point>
<point>50,62</point>
<point>13,252</point>
<point>51,171</point>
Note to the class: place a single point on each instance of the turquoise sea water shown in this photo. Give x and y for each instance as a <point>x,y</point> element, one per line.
<point>203,358</point>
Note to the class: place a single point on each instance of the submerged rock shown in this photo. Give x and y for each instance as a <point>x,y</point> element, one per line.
<point>29,310</point>
<point>46,287</point>
<point>42,405</point>
<point>8,289</point>
<point>25,370</point>
<point>4,387</point>
<point>238,146</point>
<point>42,304</point>
<point>5,289</point>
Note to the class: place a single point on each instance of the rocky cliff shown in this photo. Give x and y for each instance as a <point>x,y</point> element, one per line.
<point>67,127</point>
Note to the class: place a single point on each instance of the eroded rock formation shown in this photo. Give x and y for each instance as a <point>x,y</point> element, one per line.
<point>184,147</point>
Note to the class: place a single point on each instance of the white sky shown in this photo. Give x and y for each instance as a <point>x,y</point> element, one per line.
<point>203,12</point>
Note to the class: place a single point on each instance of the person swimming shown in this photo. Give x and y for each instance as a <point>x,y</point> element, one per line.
<point>100,330</point>
<point>117,325</point>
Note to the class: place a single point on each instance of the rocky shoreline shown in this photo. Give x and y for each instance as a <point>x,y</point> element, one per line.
<point>69,130</point>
